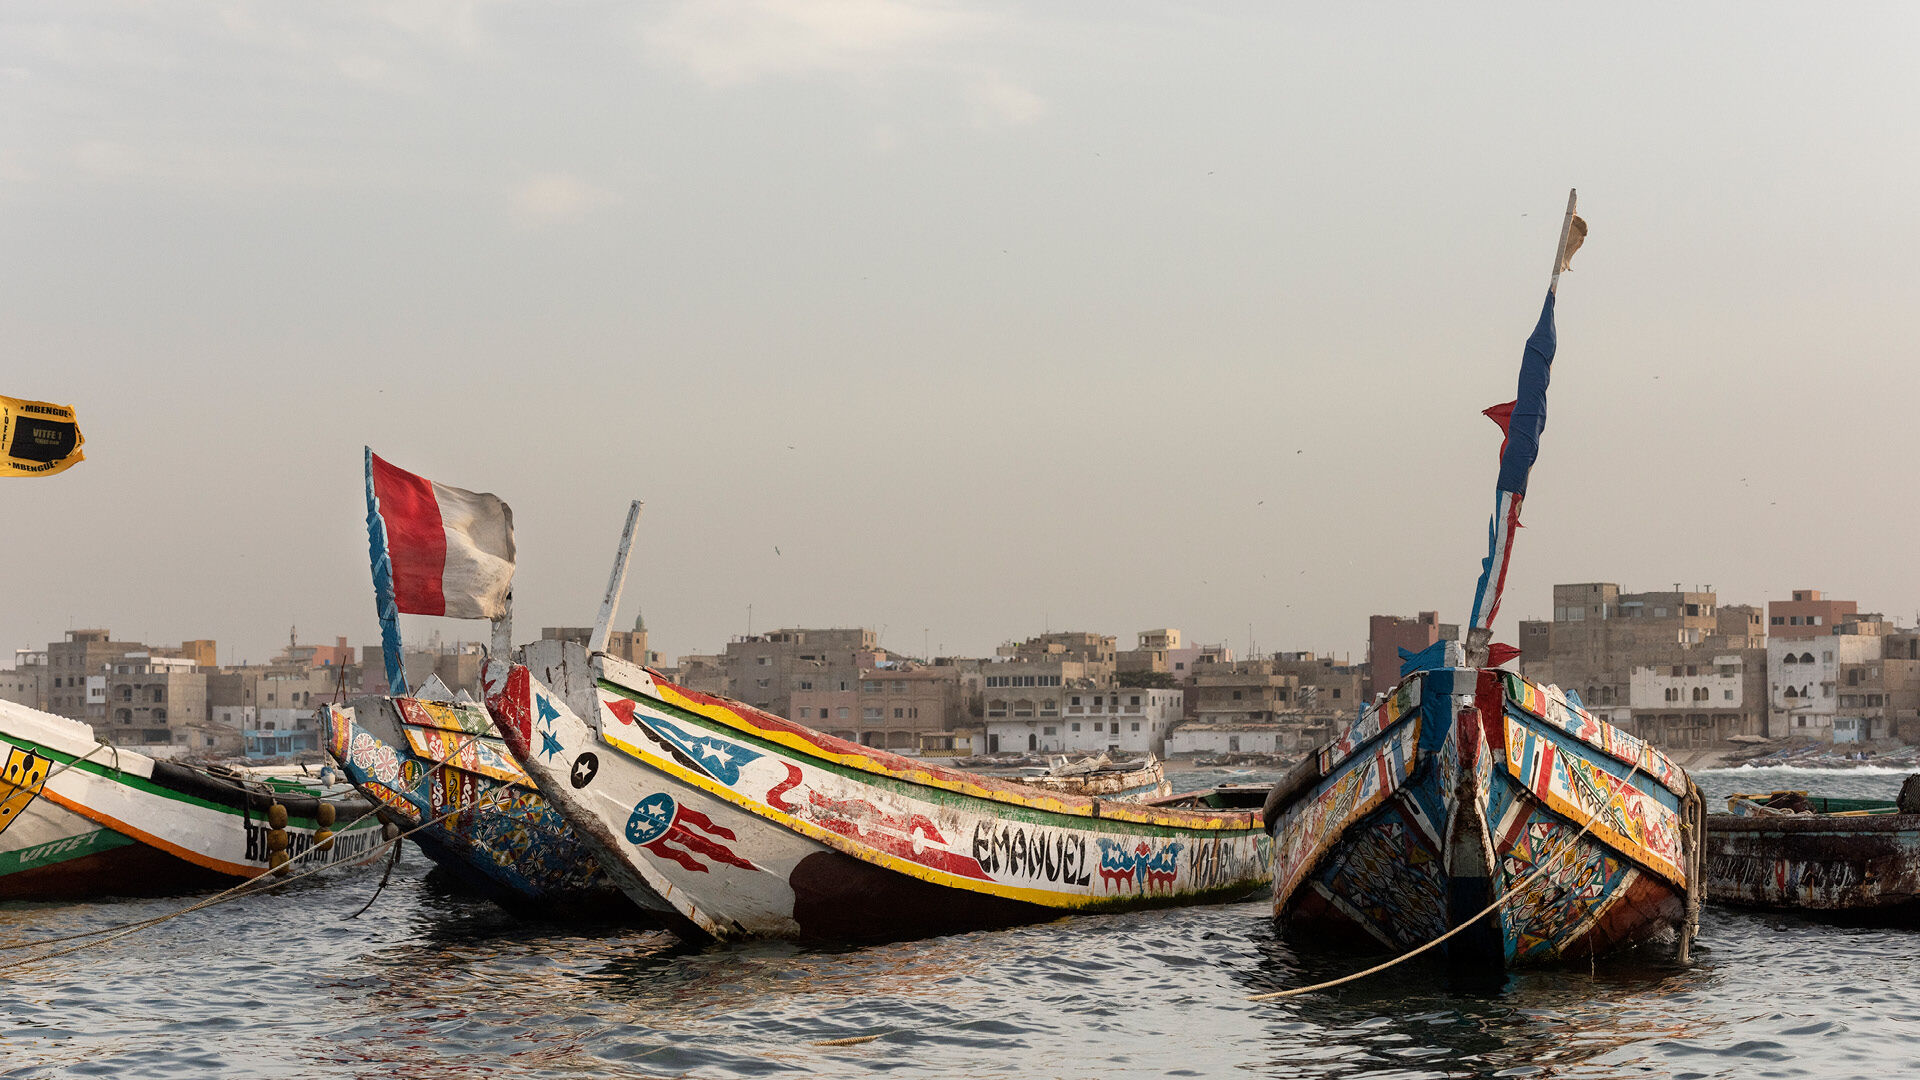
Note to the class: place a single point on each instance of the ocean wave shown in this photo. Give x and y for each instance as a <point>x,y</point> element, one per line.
<point>1809,770</point>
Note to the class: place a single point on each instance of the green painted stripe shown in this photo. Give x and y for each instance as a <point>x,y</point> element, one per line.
<point>107,772</point>
<point>928,793</point>
<point>54,852</point>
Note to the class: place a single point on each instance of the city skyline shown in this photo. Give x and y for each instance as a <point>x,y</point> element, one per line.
<point>971,319</point>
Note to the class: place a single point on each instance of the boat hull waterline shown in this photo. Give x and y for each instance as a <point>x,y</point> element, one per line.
<point>79,818</point>
<point>747,825</point>
<point>1863,860</point>
<point>437,757</point>
<point>1466,784</point>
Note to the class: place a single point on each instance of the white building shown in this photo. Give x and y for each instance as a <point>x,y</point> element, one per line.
<point>1232,739</point>
<point>1114,719</point>
<point>1802,674</point>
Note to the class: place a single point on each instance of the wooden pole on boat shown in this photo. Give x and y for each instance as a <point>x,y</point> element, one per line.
<point>503,630</point>
<point>616,582</point>
<point>1560,253</point>
<point>1480,638</point>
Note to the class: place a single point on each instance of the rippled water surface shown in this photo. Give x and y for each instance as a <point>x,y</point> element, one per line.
<point>430,983</point>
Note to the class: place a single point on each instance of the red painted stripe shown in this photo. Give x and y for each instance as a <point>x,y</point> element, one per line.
<point>416,538</point>
<point>1506,556</point>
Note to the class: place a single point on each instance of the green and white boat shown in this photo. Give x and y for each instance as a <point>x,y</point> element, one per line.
<point>81,818</point>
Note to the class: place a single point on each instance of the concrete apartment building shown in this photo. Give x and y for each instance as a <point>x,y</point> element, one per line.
<point>27,683</point>
<point>1599,634</point>
<point>1804,678</point>
<point>765,670</point>
<point>1328,688</point>
<point>1388,634</point>
<point>77,673</point>
<point>1287,704</point>
<point>1153,653</point>
<point>916,709</point>
<point>628,645</point>
<point>1123,720</point>
<point>1808,615</point>
<point>161,701</point>
<point>1114,719</point>
<point>1024,690</point>
<point>457,665</point>
<point>1701,702</point>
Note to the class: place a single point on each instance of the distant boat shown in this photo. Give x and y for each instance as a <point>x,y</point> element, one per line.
<point>81,818</point>
<point>1101,777</point>
<point>1788,851</point>
<point>1471,802</point>
<point>423,759</point>
<point>749,825</point>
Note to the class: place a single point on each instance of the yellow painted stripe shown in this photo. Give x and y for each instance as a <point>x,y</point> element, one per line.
<point>1043,897</point>
<point>1645,857</point>
<point>1037,799</point>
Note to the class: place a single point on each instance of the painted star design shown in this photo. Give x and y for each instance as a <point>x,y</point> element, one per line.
<point>717,752</point>
<point>582,772</point>
<point>549,745</point>
<point>548,714</point>
<point>653,812</point>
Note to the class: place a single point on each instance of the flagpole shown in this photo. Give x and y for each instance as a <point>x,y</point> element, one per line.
<point>1560,252</point>
<point>384,603</point>
<point>503,629</point>
<point>616,583</point>
<point>1506,516</point>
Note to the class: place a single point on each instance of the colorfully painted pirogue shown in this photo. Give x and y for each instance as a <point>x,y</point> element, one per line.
<point>733,823</point>
<point>81,818</point>
<point>423,760</point>
<point>1481,812</point>
<point>1464,784</point>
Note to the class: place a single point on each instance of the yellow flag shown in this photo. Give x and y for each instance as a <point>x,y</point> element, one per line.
<point>37,438</point>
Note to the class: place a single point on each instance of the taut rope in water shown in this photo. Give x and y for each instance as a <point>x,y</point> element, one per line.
<point>221,896</point>
<point>1545,865</point>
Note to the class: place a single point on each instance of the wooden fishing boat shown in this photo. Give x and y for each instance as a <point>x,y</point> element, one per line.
<point>1480,811</point>
<point>1102,777</point>
<point>1787,851</point>
<point>421,760</point>
<point>749,825</point>
<point>82,818</point>
<point>1465,785</point>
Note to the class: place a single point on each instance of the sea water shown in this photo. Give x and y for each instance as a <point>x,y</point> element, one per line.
<point>432,983</point>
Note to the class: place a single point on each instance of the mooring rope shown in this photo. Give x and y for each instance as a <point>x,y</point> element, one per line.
<point>233,893</point>
<point>374,808</point>
<point>1545,865</point>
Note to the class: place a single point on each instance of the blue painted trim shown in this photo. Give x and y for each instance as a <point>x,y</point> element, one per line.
<point>383,602</point>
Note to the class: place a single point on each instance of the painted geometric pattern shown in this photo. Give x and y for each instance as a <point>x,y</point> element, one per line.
<point>1544,916</point>
<point>1549,704</point>
<point>1389,878</point>
<point>504,822</point>
<point>511,826</point>
<point>1624,816</point>
<point>1311,826</point>
<point>487,756</point>
<point>1371,723</point>
<point>470,719</point>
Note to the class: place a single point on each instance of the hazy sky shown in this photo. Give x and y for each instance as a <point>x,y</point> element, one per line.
<point>960,322</point>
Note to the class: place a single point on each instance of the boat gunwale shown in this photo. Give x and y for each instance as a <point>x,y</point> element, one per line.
<point>857,762</point>
<point>1043,898</point>
<point>1814,823</point>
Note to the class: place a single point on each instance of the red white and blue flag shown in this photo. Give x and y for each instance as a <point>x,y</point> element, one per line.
<point>436,550</point>
<point>1521,422</point>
